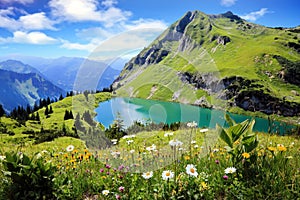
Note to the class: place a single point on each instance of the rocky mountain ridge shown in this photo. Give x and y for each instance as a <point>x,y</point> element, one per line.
<point>208,59</point>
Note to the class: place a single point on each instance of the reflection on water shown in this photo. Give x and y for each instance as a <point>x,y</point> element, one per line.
<point>134,109</point>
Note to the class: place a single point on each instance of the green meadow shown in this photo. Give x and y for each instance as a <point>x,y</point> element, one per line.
<point>189,163</point>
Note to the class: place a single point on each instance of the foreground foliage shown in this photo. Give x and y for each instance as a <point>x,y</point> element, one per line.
<point>185,164</point>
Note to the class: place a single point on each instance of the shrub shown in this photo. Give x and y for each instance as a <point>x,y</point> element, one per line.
<point>30,178</point>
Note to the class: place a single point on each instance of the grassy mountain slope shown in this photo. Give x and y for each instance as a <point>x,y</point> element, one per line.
<point>24,89</point>
<point>13,133</point>
<point>220,61</point>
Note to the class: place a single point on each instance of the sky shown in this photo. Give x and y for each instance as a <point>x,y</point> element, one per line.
<point>106,29</point>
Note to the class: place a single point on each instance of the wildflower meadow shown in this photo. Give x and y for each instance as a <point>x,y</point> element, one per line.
<point>190,163</point>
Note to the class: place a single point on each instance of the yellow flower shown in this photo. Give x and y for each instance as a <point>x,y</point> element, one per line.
<point>236,142</point>
<point>204,185</point>
<point>281,148</point>
<point>72,161</point>
<point>246,155</point>
<point>75,151</point>
<point>271,148</point>
<point>187,157</point>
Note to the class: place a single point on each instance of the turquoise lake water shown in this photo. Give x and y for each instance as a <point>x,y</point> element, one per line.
<point>135,109</point>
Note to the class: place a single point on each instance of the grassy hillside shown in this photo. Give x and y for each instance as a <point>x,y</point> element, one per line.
<point>213,49</point>
<point>22,135</point>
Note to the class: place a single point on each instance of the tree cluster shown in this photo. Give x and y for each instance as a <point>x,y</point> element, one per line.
<point>68,115</point>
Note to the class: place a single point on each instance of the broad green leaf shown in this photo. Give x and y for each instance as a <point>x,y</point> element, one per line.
<point>225,136</point>
<point>230,121</point>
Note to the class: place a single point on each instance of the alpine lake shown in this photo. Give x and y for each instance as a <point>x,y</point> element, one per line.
<point>142,110</point>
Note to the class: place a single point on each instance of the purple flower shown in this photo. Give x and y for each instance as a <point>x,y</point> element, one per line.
<point>225,177</point>
<point>107,166</point>
<point>217,162</point>
<point>101,170</point>
<point>118,196</point>
<point>121,189</point>
<point>107,173</point>
<point>121,167</point>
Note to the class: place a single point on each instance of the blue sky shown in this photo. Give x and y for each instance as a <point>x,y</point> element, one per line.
<point>109,28</point>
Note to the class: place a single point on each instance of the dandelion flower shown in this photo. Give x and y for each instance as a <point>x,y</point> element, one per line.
<point>281,147</point>
<point>70,148</point>
<point>105,192</point>
<point>191,170</point>
<point>204,185</point>
<point>167,175</point>
<point>246,155</point>
<point>147,175</point>
<point>271,148</point>
<point>230,170</point>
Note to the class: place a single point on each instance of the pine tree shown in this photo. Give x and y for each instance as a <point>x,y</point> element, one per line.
<point>61,97</point>
<point>50,110</point>
<point>46,111</point>
<point>37,117</point>
<point>2,111</point>
<point>66,116</point>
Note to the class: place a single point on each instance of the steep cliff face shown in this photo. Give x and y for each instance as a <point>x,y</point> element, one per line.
<point>218,61</point>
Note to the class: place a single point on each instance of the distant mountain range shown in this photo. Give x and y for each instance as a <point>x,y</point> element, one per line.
<point>18,89</point>
<point>23,84</point>
<point>219,61</point>
<point>68,72</point>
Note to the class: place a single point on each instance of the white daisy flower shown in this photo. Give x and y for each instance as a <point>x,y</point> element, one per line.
<point>129,142</point>
<point>192,124</point>
<point>167,175</point>
<point>191,170</point>
<point>132,151</point>
<point>147,175</point>
<point>105,192</point>
<point>230,170</point>
<point>169,134</point>
<point>203,130</point>
<point>2,157</point>
<point>151,148</point>
<point>70,148</point>
<point>175,143</point>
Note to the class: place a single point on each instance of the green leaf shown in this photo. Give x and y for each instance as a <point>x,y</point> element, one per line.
<point>225,136</point>
<point>230,121</point>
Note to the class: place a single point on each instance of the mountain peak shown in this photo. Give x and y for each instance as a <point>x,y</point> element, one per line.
<point>228,15</point>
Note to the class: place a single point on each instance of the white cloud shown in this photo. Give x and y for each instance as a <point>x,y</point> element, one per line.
<point>17,1</point>
<point>146,24</point>
<point>77,46</point>
<point>253,16</point>
<point>33,38</point>
<point>88,10</point>
<point>126,36</point>
<point>36,21</point>
<point>38,38</point>
<point>6,21</point>
<point>228,2</point>
<point>109,3</point>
